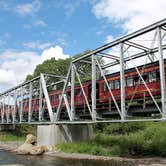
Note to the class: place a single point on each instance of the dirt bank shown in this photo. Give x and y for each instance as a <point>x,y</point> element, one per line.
<point>12,146</point>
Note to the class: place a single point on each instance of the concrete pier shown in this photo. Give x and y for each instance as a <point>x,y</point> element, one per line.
<point>55,134</point>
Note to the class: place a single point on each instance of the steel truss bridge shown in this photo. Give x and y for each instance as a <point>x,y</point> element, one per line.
<point>144,45</point>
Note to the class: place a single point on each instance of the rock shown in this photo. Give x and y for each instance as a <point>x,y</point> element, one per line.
<point>30,147</point>
<point>36,150</point>
<point>49,148</point>
<point>24,148</point>
<point>31,139</point>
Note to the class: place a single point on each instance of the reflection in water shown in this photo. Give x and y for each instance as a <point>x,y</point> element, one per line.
<point>11,158</point>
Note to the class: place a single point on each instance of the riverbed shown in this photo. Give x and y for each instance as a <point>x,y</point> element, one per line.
<point>9,156</point>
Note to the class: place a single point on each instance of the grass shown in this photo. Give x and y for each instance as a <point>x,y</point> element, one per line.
<point>17,135</point>
<point>132,139</point>
<point>7,137</point>
<point>125,139</point>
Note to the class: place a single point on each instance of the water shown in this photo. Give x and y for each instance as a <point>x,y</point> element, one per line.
<point>44,160</point>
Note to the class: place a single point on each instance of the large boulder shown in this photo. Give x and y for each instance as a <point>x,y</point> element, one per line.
<point>30,147</point>
<point>31,139</point>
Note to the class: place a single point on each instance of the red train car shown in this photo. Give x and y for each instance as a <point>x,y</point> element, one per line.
<point>134,88</point>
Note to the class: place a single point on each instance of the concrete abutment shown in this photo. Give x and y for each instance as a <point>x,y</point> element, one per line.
<point>55,134</point>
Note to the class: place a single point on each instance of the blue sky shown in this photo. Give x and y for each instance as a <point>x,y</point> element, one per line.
<point>70,24</point>
<point>32,31</point>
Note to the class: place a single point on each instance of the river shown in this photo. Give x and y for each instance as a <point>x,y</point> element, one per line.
<point>8,158</point>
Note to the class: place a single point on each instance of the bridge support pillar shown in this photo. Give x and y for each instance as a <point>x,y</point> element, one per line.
<point>55,134</point>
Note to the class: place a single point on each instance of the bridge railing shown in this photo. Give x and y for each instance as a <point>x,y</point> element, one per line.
<point>30,101</point>
<point>116,58</point>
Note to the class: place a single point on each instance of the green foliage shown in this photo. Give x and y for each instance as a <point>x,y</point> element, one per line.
<point>84,147</point>
<point>7,137</point>
<point>119,128</point>
<point>61,66</point>
<point>18,134</point>
<point>130,139</point>
<point>52,66</point>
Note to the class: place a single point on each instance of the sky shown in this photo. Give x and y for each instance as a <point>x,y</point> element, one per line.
<point>32,31</point>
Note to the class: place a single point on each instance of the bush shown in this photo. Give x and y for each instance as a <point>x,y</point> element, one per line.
<point>135,139</point>
<point>124,128</point>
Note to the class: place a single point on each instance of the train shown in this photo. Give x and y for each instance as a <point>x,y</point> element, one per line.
<point>137,98</point>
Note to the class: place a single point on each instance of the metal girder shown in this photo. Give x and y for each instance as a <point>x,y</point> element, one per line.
<point>19,86</point>
<point>52,75</point>
<point>56,116</point>
<point>150,93</point>
<point>113,98</point>
<point>123,39</point>
<point>93,88</point>
<point>40,100</point>
<point>162,73</point>
<point>138,46</point>
<point>30,102</point>
<point>21,105</point>
<point>72,91</point>
<point>122,82</point>
<point>135,56</point>
<point>15,106</point>
<point>43,84</point>
<point>108,56</point>
<point>73,74</point>
<point>86,100</point>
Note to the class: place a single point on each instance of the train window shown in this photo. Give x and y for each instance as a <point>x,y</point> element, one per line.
<point>81,92</point>
<point>157,75</point>
<point>51,98</point>
<point>77,92</point>
<point>145,77</point>
<point>69,93</point>
<point>129,81</point>
<point>105,88</point>
<point>111,84</point>
<point>136,80</point>
<point>37,102</point>
<point>116,84</point>
<point>56,97</point>
<point>152,76</point>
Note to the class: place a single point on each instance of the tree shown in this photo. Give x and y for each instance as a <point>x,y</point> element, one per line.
<point>61,66</point>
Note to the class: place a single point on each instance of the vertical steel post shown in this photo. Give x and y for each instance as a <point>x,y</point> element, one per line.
<point>122,83</point>
<point>162,73</point>
<point>8,107</point>
<point>1,105</point>
<point>72,92</point>
<point>15,107</point>
<point>56,116</point>
<point>47,98</point>
<point>40,101</point>
<point>3,110</point>
<point>93,88</point>
<point>30,103</point>
<point>21,107</point>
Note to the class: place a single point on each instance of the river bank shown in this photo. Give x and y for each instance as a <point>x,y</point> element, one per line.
<point>117,161</point>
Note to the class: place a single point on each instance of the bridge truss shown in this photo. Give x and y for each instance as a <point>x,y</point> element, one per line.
<point>144,46</point>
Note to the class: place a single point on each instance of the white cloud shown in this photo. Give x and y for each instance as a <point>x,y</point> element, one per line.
<point>28,9</point>
<point>131,14</point>
<point>54,52</point>
<point>40,23</point>
<point>15,65</point>
<point>109,39</point>
<point>7,77</point>
<point>37,45</point>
